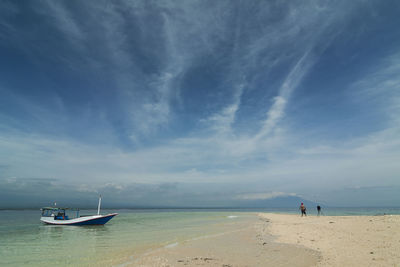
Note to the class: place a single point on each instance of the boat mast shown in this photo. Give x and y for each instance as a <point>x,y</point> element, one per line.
<point>98,208</point>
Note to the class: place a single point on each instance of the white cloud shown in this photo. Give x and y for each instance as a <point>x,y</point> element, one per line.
<point>273,157</point>
<point>259,196</point>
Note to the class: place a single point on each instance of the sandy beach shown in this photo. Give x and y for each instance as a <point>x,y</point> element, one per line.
<point>342,240</point>
<point>240,245</point>
<point>290,240</point>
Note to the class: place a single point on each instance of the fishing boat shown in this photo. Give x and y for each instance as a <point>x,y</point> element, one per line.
<point>70,216</point>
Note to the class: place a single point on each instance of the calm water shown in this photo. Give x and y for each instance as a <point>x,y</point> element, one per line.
<point>24,240</point>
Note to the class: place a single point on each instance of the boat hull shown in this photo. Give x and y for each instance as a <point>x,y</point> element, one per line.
<point>86,220</point>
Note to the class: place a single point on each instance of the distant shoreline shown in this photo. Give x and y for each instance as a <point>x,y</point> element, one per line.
<point>283,210</point>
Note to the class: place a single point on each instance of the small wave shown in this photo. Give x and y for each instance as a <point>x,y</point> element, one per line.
<point>232,216</point>
<point>172,245</point>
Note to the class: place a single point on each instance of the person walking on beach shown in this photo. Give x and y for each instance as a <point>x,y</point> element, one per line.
<point>303,210</point>
<point>319,210</point>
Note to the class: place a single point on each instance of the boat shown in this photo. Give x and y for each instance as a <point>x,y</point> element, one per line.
<point>70,216</point>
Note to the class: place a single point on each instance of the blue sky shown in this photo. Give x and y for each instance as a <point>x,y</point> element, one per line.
<point>200,102</point>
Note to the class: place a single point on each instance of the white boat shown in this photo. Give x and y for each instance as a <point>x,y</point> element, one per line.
<point>59,216</point>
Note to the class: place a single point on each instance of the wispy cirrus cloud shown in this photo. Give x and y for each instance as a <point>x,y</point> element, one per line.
<point>277,110</point>
<point>253,96</point>
<point>381,88</point>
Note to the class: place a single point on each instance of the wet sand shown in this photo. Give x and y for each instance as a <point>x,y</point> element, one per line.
<point>244,245</point>
<point>289,240</point>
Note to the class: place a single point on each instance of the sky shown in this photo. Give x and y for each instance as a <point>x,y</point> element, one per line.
<point>199,103</point>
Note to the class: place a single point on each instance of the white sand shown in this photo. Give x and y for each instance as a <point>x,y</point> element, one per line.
<point>289,240</point>
<point>245,245</point>
<point>342,240</point>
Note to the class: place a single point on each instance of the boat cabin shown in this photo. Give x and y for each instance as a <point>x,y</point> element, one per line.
<point>59,213</point>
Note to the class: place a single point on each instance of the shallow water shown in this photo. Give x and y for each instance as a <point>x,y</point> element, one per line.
<point>24,240</point>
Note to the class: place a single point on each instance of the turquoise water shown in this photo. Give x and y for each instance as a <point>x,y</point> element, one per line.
<point>25,241</point>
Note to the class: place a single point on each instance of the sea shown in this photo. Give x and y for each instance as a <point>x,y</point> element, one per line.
<point>25,241</point>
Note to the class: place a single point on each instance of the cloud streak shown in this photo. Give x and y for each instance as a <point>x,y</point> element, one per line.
<point>267,99</point>
<point>276,112</point>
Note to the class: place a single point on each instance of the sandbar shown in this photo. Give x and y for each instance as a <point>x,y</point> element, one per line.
<point>247,244</point>
<point>342,240</point>
<point>289,240</point>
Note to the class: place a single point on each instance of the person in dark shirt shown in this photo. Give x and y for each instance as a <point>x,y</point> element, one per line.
<point>303,210</point>
<point>319,210</point>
